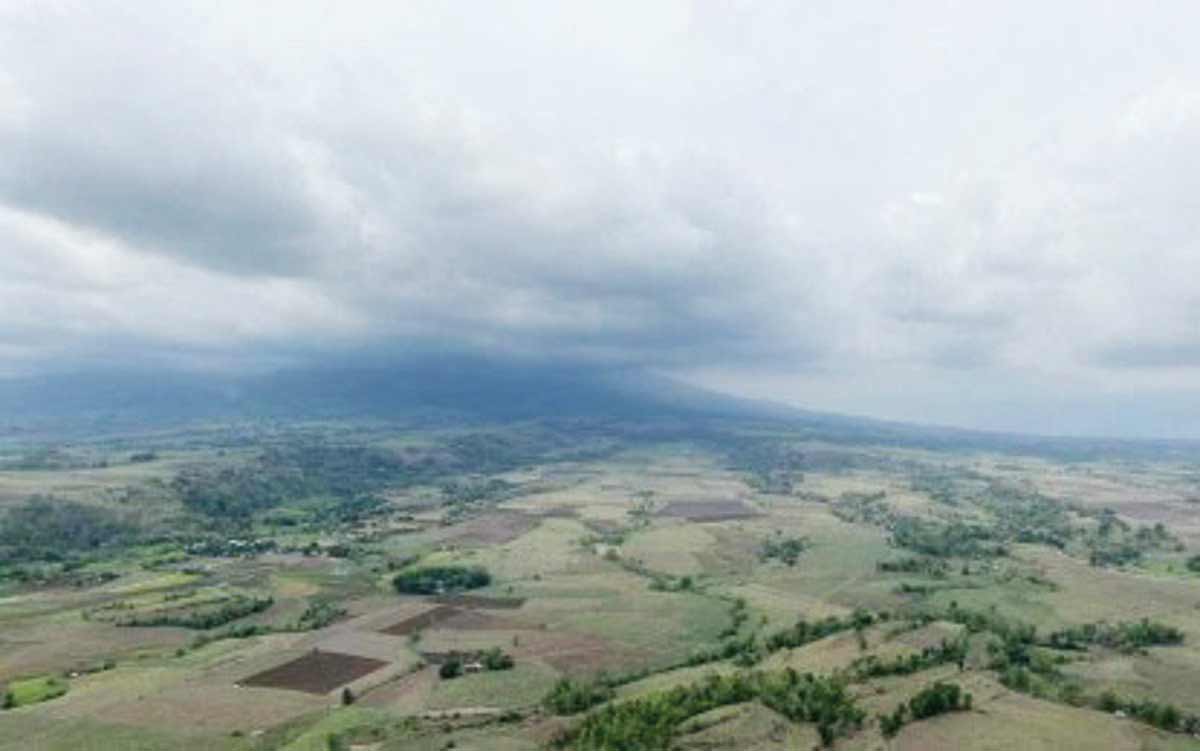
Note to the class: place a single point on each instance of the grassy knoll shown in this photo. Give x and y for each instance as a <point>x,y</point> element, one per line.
<point>523,686</point>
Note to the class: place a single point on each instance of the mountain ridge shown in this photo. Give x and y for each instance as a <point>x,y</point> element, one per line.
<point>472,389</point>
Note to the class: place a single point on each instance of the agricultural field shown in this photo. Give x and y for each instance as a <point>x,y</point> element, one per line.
<point>543,585</point>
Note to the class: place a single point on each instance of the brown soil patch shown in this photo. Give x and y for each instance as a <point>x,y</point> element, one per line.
<point>421,621</point>
<point>577,654</point>
<point>67,646</point>
<point>480,601</point>
<point>473,620</point>
<point>492,529</point>
<point>316,672</point>
<point>363,643</point>
<point>438,658</point>
<point>709,511</point>
<point>559,512</point>
<point>1171,513</point>
<point>406,695</point>
<point>603,526</point>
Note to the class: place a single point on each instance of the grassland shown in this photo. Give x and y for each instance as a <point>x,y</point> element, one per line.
<point>635,561</point>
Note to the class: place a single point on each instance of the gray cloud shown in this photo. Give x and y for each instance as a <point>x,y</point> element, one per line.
<point>739,193</point>
<point>1150,354</point>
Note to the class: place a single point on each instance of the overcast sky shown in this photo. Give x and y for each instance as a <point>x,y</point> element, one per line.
<point>982,214</point>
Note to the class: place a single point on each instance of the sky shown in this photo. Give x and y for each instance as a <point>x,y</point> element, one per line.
<point>962,213</point>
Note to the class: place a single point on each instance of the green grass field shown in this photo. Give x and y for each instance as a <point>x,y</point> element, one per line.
<point>26,691</point>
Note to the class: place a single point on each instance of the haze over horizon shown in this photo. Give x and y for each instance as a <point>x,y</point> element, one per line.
<point>935,212</point>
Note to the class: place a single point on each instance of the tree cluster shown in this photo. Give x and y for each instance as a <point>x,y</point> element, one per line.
<point>948,651</point>
<point>572,697</point>
<point>53,529</point>
<point>805,632</point>
<point>437,580</point>
<point>939,698</point>
<point>1160,715</point>
<point>784,549</point>
<point>205,619</point>
<point>934,568</point>
<point>1123,636</point>
<point>650,723</point>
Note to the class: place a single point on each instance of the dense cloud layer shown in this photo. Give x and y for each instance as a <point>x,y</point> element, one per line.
<point>924,210</point>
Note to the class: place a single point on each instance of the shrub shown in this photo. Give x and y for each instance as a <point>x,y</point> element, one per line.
<point>495,659</point>
<point>572,697</point>
<point>785,549</point>
<point>937,699</point>
<point>451,668</point>
<point>890,724</point>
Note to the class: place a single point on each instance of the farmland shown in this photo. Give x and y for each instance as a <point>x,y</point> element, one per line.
<point>302,587</point>
<point>316,672</point>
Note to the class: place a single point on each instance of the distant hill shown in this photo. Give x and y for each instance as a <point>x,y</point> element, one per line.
<point>469,389</point>
<point>464,387</point>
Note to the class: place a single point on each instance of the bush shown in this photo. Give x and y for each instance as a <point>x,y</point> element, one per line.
<point>495,659</point>
<point>785,549</point>
<point>319,614</point>
<point>935,568</point>
<point>890,724</point>
<point>571,697</point>
<point>336,742</point>
<point>451,668</point>
<point>937,699</point>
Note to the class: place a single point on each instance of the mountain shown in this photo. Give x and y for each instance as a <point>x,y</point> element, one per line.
<point>469,389</point>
